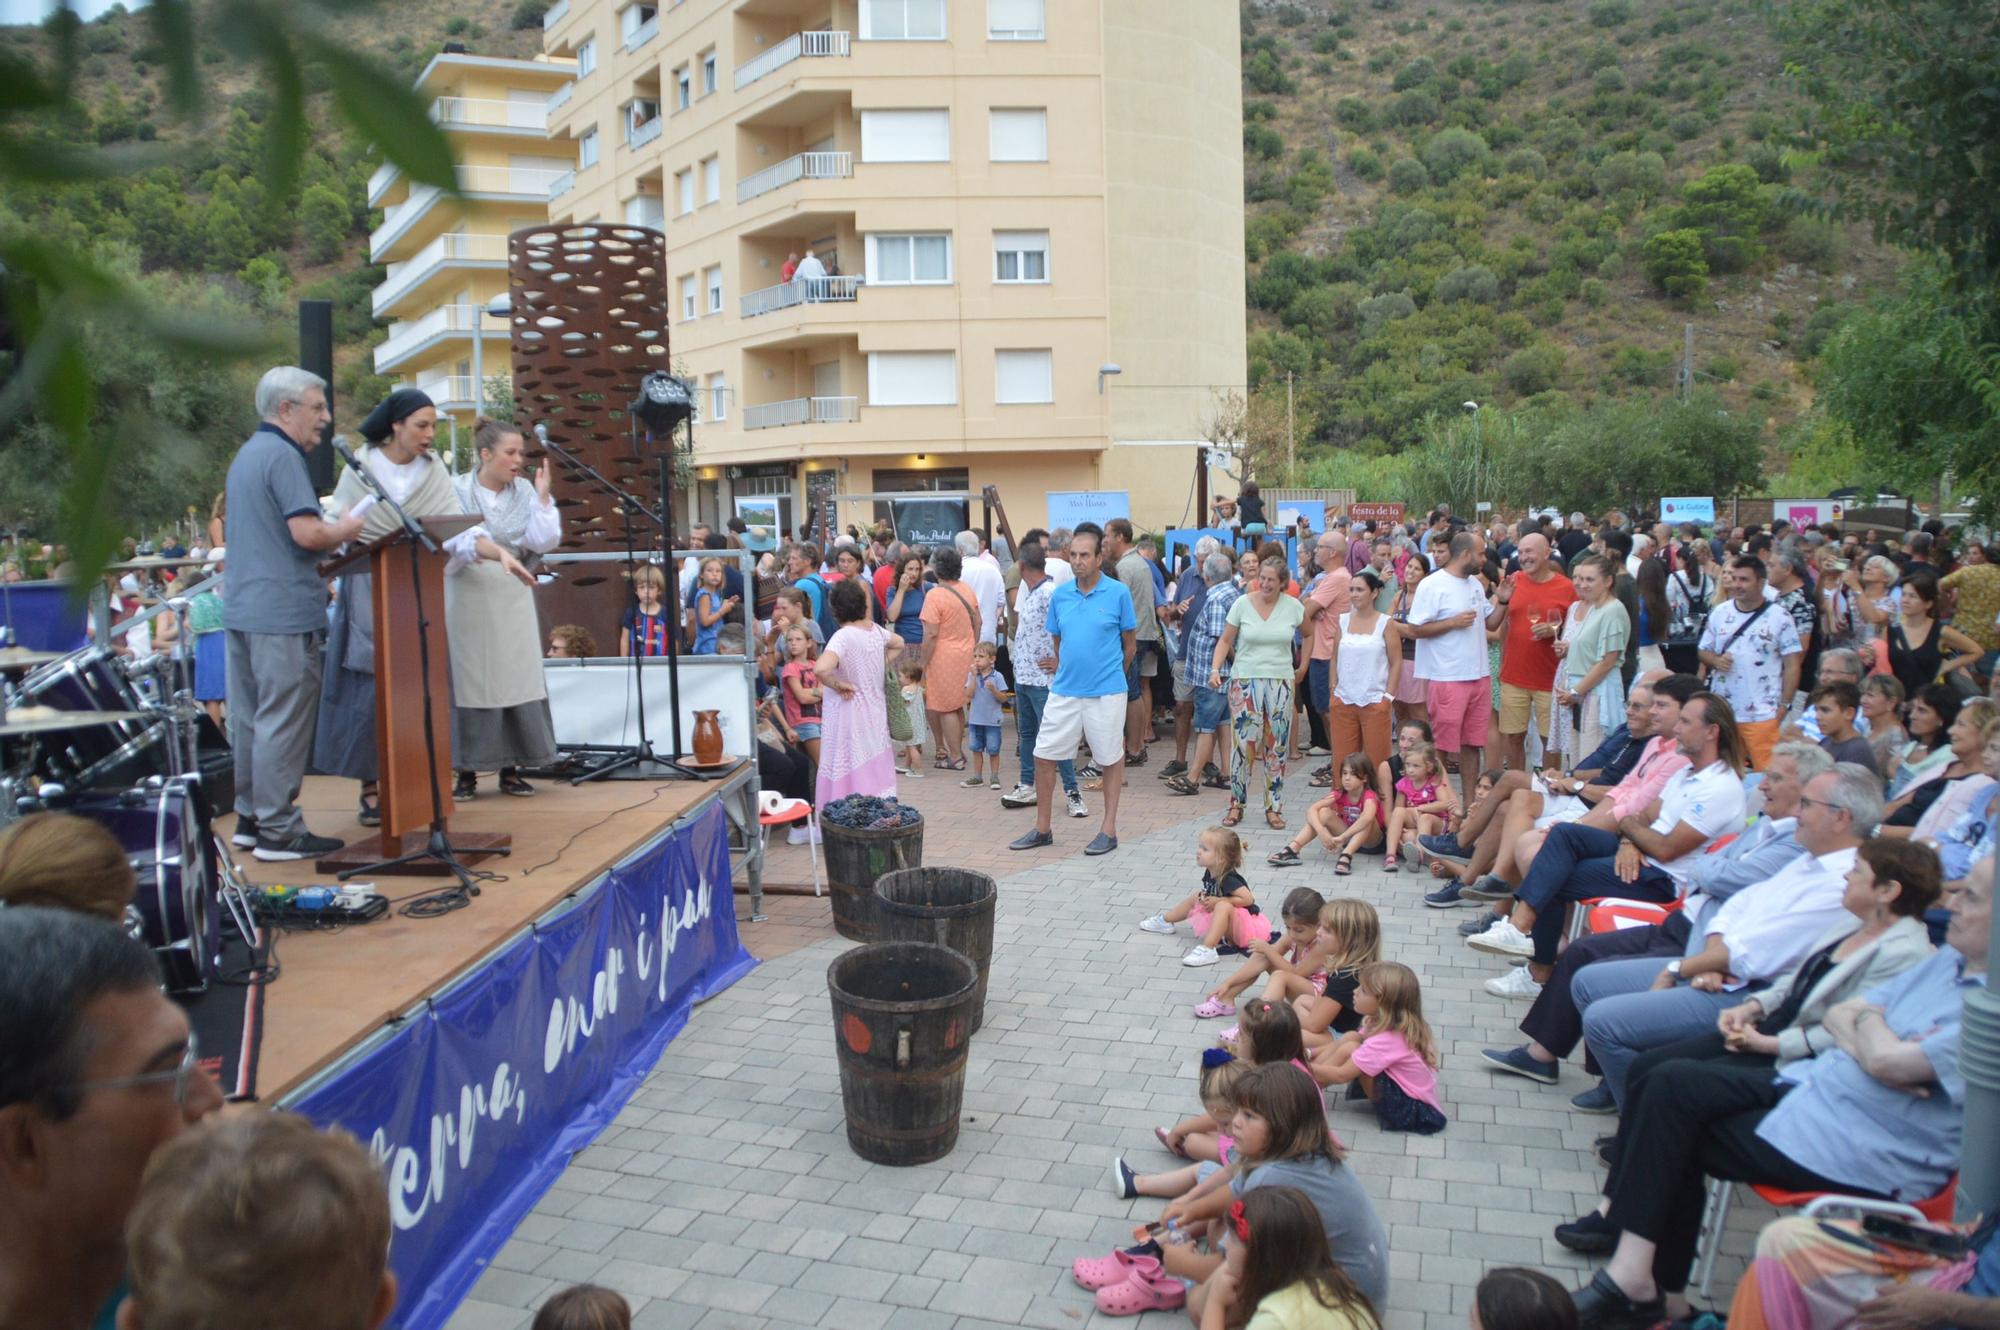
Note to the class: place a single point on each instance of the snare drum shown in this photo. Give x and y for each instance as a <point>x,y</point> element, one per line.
<point>117,755</point>
<point>166,836</point>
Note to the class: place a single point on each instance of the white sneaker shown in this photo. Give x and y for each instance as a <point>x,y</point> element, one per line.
<point>1201,955</point>
<point>1516,983</point>
<point>1157,924</point>
<point>1076,808</point>
<point>1021,796</point>
<point>1503,939</point>
<point>798,835</point>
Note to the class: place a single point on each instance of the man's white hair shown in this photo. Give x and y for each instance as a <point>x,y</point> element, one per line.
<point>967,543</point>
<point>285,383</point>
<point>1204,547</point>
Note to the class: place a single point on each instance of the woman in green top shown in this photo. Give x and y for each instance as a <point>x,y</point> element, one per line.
<point>1592,647</point>
<point>1261,626</point>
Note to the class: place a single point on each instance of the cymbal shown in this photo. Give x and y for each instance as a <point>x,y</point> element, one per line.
<point>47,720</point>
<point>19,660</point>
<point>151,562</point>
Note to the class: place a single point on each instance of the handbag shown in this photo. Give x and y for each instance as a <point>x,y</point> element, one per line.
<point>1744,627</point>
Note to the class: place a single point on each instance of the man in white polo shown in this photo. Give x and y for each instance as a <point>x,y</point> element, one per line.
<point>1093,631</point>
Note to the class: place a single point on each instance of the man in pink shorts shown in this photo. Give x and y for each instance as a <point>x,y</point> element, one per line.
<point>1449,618</point>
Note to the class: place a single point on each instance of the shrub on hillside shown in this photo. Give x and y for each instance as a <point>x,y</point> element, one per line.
<point>1610,13</point>
<point>528,14</point>
<point>1415,108</point>
<point>1376,311</point>
<point>1453,152</point>
<point>1416,74</point>
<point>1365,164</point>
<point>1354,114</point>
<point>1527,162</point>
<point>1408,175</point>
<point>1262,73</point>
<point>1475,282</point>
<point>1676,263</point>
<point>1263,141</point>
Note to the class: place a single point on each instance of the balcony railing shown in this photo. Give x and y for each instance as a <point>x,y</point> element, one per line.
<point>802,411</point>
<point>555,14</point>
<point>490,113</point>
<point>800,291</point>
<point>561,185</point>
<point>446,249</point>
<point>800,45</point>
<point>453,392</point>
<point>805,166</point>
<point>378,184</point>
<point>638,136</point>
<point>560,96</point>
<point>442,321</point>
<point>644,33</point>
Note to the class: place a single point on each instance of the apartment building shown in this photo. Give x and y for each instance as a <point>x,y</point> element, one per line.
<point>447,257</point>
<point>1029,216</point>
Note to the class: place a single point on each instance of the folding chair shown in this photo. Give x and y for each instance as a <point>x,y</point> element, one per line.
<point>775,810</point>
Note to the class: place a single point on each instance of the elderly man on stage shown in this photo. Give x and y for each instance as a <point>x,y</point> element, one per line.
<point>399,458</point>
<point>275,614</point>
<point>500,700</point>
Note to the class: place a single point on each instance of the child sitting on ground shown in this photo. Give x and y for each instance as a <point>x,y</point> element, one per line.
<point>1293,951</point>
<point>1351,933</point>
<point>1204,1139</point>
<point>1423,801</point>
<point>1277,1271</point>
<point>1223,909</point>
<point>1392,1059</point>
<point>1347,822</point>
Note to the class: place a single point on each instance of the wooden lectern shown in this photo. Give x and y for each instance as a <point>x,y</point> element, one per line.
<point>408,576</point>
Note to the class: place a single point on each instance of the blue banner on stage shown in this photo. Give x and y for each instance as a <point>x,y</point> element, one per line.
<point>476,1105</point>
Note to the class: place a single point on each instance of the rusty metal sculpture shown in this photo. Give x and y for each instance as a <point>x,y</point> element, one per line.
<point>590,319</point>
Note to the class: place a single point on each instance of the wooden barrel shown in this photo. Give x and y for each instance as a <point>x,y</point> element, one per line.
<point>902,1016</point>
<point>952,907</point>
<point>855,857</point>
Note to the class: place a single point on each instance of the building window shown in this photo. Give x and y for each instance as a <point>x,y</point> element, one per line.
<point>912,378</point>
<point>684,190</point>
<point>712,279</point>
<point>708,84</point>
<point>1020,256</point>
<point>906,136</point>
<point>1020,135</point>
<point>634,17</point>
<point>1023,376</point>
<point>683,88</point>
<point>1015,20</point>
<point>911,259</point>
<point>902,20</point>
<point>689,311</point>
<point>711,180</point>
<point>586,58</point>
<point>586,148</point>
<point>718,397</point>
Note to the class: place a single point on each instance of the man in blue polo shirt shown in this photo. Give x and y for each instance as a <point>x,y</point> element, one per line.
<point>1093,627</point>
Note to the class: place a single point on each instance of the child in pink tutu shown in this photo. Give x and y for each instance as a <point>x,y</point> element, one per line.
<point>1224,909</point>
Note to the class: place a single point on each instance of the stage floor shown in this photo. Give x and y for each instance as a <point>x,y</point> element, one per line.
<point>334,989</point>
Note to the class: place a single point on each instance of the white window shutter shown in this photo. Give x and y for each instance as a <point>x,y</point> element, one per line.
<point>1023,376</point>
<point>906,136</point>
<point>1020,135</point>
<point>912,378</point>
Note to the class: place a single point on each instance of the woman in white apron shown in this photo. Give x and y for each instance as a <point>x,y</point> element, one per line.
<point>500,703</point>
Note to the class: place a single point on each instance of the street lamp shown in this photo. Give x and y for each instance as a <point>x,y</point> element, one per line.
<point>1477,454</point>
<point>501,307</point>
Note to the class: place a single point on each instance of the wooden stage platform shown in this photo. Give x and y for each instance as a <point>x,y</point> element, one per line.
<point>334,989</point>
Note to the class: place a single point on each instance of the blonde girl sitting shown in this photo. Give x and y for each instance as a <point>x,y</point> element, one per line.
<point>1349,821</point>
<point>1293,951</point>
<point>1351,933</point>
<point>1223,908</point>
<point>1392,1059</point>
<point>1423,801</point>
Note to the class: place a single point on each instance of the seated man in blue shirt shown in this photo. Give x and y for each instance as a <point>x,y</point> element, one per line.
<point>1880,1114</point>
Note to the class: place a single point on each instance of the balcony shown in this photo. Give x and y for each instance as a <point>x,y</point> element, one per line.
<point>453,392</point>
<point>561,185</point>
<point>387,174</point>
<point>555,14</point>
<point>447,251</point>
<point>560,97</point>
<point>806,291</point>
<point>798,46</point>
<point>805,166</point>
<point>446,321</point>
<point>638,136</point>
<point>504,183</point>
<point>488,113</point>
<point>642,34</point>
<point>803,411</point>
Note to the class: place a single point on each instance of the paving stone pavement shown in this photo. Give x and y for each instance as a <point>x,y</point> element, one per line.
<point>725,1196</point>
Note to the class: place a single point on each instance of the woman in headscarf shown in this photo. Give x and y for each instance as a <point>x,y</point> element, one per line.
<point>500,703</point>
<point>399,433</point>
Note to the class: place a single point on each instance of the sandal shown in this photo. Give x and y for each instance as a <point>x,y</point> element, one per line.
<point>1389,863</point>
<point>1343,865</point>
<point>370,814</point>
<point>1105,1271</point>
<point>957,764</point>
<point>1167,1142</point>
<point>1285,858</point>
<point>1234,815</point>
<point>1180,785</point>
<point>1137,759</point>
<point>1142,1291</point>
<point>1211,1008</point>
<point>1322,780</point>
<point>1274,819</point>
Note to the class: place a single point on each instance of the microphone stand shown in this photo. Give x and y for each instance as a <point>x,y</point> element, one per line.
<point>436,845</point>
<point>635,761</point>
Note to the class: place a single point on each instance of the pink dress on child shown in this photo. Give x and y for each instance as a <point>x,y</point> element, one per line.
<point>855,755</point>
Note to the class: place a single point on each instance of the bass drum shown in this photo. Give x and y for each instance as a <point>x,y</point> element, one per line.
<point>178,906</point>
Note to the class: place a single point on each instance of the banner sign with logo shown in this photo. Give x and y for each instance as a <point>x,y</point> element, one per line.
<point>1807,512</point>
<point>475,1105</point>
<point>928,521</point>
<point>1375,512</point>
<point>1688,508</point>
<point>1071,507</point>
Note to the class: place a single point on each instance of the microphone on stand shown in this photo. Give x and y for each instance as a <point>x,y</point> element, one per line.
<point>542,434</point>
<point>346,453</point>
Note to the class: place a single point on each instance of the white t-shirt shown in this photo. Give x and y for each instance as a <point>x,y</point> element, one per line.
<point>1709,800</point>
<point>1755,687</point>
<point>1059,569</point>
<point>1460,655</point>
<point>988,588</point>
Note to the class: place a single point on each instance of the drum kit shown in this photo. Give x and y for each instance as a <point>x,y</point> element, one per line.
<point>124,744</point>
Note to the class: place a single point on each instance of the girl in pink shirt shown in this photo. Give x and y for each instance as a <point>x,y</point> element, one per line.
<point>1392,1059</point>
<point>1423,801</point>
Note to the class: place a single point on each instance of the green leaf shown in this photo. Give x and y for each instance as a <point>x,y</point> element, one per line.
<point>49,162</point>
<point>173,28</point>
<point>22,87</point>
<point>285,126</point>
<point>388,113</point>
<point>90,524</point>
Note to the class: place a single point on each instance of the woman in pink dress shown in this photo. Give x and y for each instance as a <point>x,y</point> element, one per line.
<point>855,752</point>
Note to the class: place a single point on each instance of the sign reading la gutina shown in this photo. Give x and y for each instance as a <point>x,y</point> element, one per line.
<point>1688,508</point>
